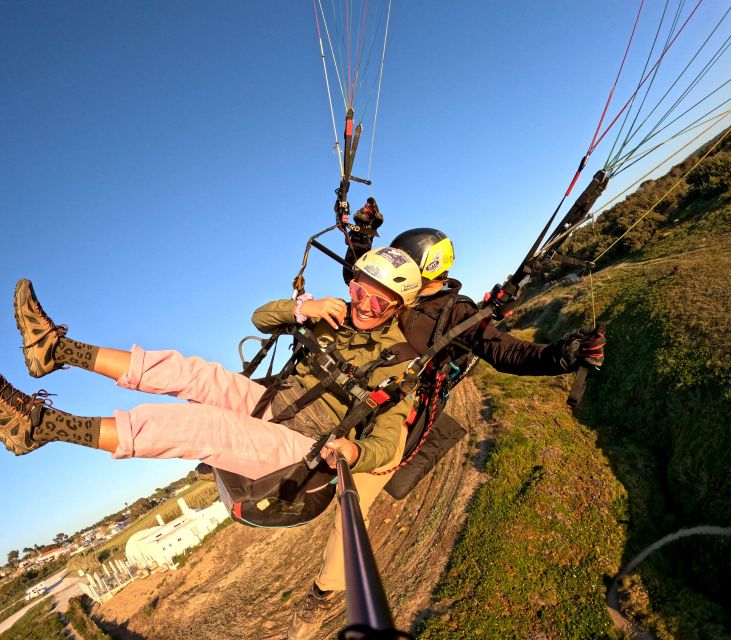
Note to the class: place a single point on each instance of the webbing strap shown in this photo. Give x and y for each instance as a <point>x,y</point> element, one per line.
<point>306,398</point>
<point>577,389</point>
<point>444,317</point>
<point>335,374</point>
<point>357,414</point>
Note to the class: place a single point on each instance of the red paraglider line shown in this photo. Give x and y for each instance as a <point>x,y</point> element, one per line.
<point>359,53</point>
<point>347,31</point>
<point>632,97</point>
<point>596,140</point>
<point>616,80</point>
<point>317,20</point>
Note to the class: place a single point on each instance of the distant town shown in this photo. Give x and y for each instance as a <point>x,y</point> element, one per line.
<point>146,536</point>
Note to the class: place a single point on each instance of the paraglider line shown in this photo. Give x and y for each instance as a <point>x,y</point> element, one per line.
<point>616,80</point>
<point>664,195</point>
<point>639,86</point>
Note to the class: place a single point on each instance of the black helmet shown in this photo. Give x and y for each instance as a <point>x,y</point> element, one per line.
<point>430,248</point>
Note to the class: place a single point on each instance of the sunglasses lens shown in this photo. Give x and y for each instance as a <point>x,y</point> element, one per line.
<point>379,304</point>
<point>357,292</point>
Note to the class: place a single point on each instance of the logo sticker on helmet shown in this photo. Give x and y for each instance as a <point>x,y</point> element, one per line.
<point>395,256</point>
<point>434,264</point>
<point>373,270</point>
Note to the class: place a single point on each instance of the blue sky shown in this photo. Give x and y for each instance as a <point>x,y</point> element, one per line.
<point>163,163</point>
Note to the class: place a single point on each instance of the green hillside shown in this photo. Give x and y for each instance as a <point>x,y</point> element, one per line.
<point>572,499</point>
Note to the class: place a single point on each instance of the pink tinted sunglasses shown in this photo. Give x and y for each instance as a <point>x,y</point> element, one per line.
<point>379,304</point>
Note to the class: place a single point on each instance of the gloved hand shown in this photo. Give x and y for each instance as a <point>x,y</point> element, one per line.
<point>369,217</point>
<point>502,301</point>
<point>584,347</point>
<point>342,211</point>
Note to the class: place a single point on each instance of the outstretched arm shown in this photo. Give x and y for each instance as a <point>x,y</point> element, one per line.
<point>522,357</point>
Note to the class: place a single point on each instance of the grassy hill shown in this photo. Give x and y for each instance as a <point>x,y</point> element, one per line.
<point>572,499</point>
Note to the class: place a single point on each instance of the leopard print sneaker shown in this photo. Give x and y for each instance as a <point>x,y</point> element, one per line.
<point>40,334</point>
<point>19,413</point>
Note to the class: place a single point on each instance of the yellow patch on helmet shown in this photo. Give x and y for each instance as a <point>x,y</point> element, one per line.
<point>438,259</point>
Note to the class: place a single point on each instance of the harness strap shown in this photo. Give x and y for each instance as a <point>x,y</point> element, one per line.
<point>432,409</point>
<point>357,414</point>
<point>271,389</point>
<point>444,317</point>
<point>300,403</point>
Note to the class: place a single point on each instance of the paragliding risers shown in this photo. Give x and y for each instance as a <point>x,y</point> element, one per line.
<point>369,616</point>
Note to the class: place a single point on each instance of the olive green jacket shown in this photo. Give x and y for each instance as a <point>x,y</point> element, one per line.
<point>358,348</point>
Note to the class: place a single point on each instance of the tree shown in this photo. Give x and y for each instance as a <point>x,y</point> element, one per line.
<point>140,506</point>
<point>60,538</point>
<point>13,557</point>
<point>712,177</point>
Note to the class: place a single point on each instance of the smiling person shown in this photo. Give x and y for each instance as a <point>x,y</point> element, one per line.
<point>216,426</point>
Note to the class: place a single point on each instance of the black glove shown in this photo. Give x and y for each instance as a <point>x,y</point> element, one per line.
<point>369,218</point>
<point>584,347</point>
<point>502,301</point>
<point>342,211</point>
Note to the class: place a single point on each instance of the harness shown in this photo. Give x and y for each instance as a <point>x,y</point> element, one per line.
<point>296,494</point>
<point>435,384</point>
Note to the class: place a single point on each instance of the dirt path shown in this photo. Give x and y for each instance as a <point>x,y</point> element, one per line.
<point>244,583</point>
<point>59,587</point>
<point>621,622</point>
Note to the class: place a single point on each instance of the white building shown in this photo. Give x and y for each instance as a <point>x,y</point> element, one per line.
<point>47,556</point>
<point>157,546</point>
<point>35,591</point>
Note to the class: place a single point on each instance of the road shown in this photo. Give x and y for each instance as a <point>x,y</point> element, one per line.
<point>61,588</point>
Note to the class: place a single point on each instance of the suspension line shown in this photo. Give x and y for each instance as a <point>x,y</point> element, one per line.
<point>617,159</point>
<point>664,195</point>
<point>329,96</point>
<point>643,80</point>
<point>714,122</point>
<point>378,93</point>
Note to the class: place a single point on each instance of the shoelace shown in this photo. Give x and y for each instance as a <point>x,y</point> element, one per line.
<point>23,403</point>
<point>312,605</point>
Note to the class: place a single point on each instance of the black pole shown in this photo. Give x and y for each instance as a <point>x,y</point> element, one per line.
<point>332,254</point>
<point>369,616</point>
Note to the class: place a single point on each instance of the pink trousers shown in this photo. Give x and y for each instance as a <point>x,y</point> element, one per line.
<point>215,426</point>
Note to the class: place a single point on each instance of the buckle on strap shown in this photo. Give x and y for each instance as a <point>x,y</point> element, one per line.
<point>377,398</point>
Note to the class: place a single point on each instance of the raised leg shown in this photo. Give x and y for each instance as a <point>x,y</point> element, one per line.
<point>112,363</point>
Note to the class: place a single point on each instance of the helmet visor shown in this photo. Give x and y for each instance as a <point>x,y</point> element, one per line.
<point>437,260</point>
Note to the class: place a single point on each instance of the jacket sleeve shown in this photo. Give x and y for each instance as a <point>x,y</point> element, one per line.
<point>380,446</point>
<point>506,353</point>
<point>272,315</point>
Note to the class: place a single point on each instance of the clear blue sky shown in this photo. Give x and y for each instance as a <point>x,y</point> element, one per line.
<point>162,164</point>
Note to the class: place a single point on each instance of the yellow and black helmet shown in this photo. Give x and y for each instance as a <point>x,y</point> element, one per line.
<point>431,249</point>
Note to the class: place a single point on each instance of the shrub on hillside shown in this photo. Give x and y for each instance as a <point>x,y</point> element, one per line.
<point>712,177</point>
<point>39,623</point>
<point>78,617</point>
